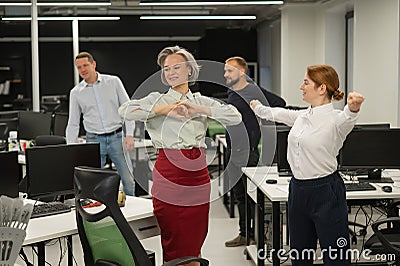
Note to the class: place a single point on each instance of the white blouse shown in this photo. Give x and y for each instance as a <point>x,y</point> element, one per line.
<point>315,139</point>
<point>173,133</point>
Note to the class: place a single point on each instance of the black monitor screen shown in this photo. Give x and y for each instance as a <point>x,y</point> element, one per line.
<point>268,146</point>
<point>282,143</point>
<point>60,124</point>
<point>376,126</point>
<point>369,149</point>
<point>9,173</point>
<point>50,169</point>
<point>33,124</point>
<point>269,151</point>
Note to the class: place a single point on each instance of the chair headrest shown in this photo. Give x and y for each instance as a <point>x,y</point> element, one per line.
<point>43,140</point>
<point>96,183</point>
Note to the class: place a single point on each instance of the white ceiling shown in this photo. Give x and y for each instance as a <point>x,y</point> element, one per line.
<point>132,8</point>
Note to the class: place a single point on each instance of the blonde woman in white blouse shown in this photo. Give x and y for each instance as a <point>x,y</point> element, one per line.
<point>317,198</point>
<point>177,122</point>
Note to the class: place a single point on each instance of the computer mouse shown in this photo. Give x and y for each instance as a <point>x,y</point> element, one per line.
<point>387,189</point>
<point>271,181</point>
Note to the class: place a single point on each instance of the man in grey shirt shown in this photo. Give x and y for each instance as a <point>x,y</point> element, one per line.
<point>98,98</point>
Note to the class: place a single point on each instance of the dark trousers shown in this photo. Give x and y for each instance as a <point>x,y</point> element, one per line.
<point>318,210</point>
<point>239,191</point>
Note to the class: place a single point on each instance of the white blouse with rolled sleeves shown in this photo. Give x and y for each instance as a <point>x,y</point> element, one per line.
<point>174,133</point>
<point>315,139</point>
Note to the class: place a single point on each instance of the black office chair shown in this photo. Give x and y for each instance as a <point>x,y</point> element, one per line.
<point>386,240</point>
<point>44,140</point>
<point>106,237</point>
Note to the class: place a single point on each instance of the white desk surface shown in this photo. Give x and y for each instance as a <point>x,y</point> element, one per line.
<point>60,225</point>
<point>279,191</point>
<point>142,143</point>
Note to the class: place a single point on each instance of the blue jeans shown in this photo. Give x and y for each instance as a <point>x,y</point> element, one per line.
<point>112,145</point>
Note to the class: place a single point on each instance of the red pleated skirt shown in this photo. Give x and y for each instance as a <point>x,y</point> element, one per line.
<point>181,201</point>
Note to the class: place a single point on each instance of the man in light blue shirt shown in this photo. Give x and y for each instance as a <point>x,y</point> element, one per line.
<point>98,98</point>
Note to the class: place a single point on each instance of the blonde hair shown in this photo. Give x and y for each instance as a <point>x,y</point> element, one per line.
<point>190,62</point>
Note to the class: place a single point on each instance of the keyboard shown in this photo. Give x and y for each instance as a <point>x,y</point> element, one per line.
<point>362,186</point>
<point>49,208</point>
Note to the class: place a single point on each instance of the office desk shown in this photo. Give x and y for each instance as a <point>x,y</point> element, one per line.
<point>137,211</point>
<point>223,181</point>
<point>258,190</point>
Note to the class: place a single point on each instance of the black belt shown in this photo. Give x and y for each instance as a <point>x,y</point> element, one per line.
<point>110,133</point>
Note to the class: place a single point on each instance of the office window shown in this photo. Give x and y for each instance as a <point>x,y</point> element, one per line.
<point>252,71</point>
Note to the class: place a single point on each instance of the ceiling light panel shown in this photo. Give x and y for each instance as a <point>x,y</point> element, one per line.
<point>56,3</point>
<point>198,17</point>
<point>59,18</point>
<point>210,3</point>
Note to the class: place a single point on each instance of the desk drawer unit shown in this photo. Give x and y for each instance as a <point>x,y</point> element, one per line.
<point>146,227</point>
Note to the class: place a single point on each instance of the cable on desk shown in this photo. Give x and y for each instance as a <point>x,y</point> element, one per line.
<point>62,252</point>
<point>23,256</point>
<point>33,249</point>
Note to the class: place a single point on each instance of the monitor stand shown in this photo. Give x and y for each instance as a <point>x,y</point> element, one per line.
<point>375,176</point>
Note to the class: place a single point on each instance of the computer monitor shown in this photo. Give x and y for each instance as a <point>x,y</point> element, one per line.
<point>60,121</point>
<point>9,176</point>
<point>371,150</point>
<point>269,142</point>
<point>50,169</point>
<point>33,124</point>
<point>372,126</point>
<point>282,162</point>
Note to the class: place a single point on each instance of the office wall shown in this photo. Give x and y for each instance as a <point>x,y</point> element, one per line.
<point>298,48</point>
<point>376,59</point>
<point>311,34</point>
<point>133,61</point>
<point>315,33</point>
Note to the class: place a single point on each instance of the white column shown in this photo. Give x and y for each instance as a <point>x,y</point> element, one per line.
<point>298,48</point>
<point>75,41</point>
<point>35,57</point>
<point>333,42</point>
<point>376,59</point>
<point>310,34</point>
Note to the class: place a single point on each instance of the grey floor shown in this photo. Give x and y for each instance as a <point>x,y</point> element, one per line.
<point>221,228</point>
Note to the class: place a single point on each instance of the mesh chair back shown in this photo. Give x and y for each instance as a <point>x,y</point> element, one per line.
<point>105,234</point>
<point>11,240</point>
<point>107,242</point>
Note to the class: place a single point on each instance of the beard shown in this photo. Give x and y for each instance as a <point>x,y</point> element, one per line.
<point>232,82</point>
